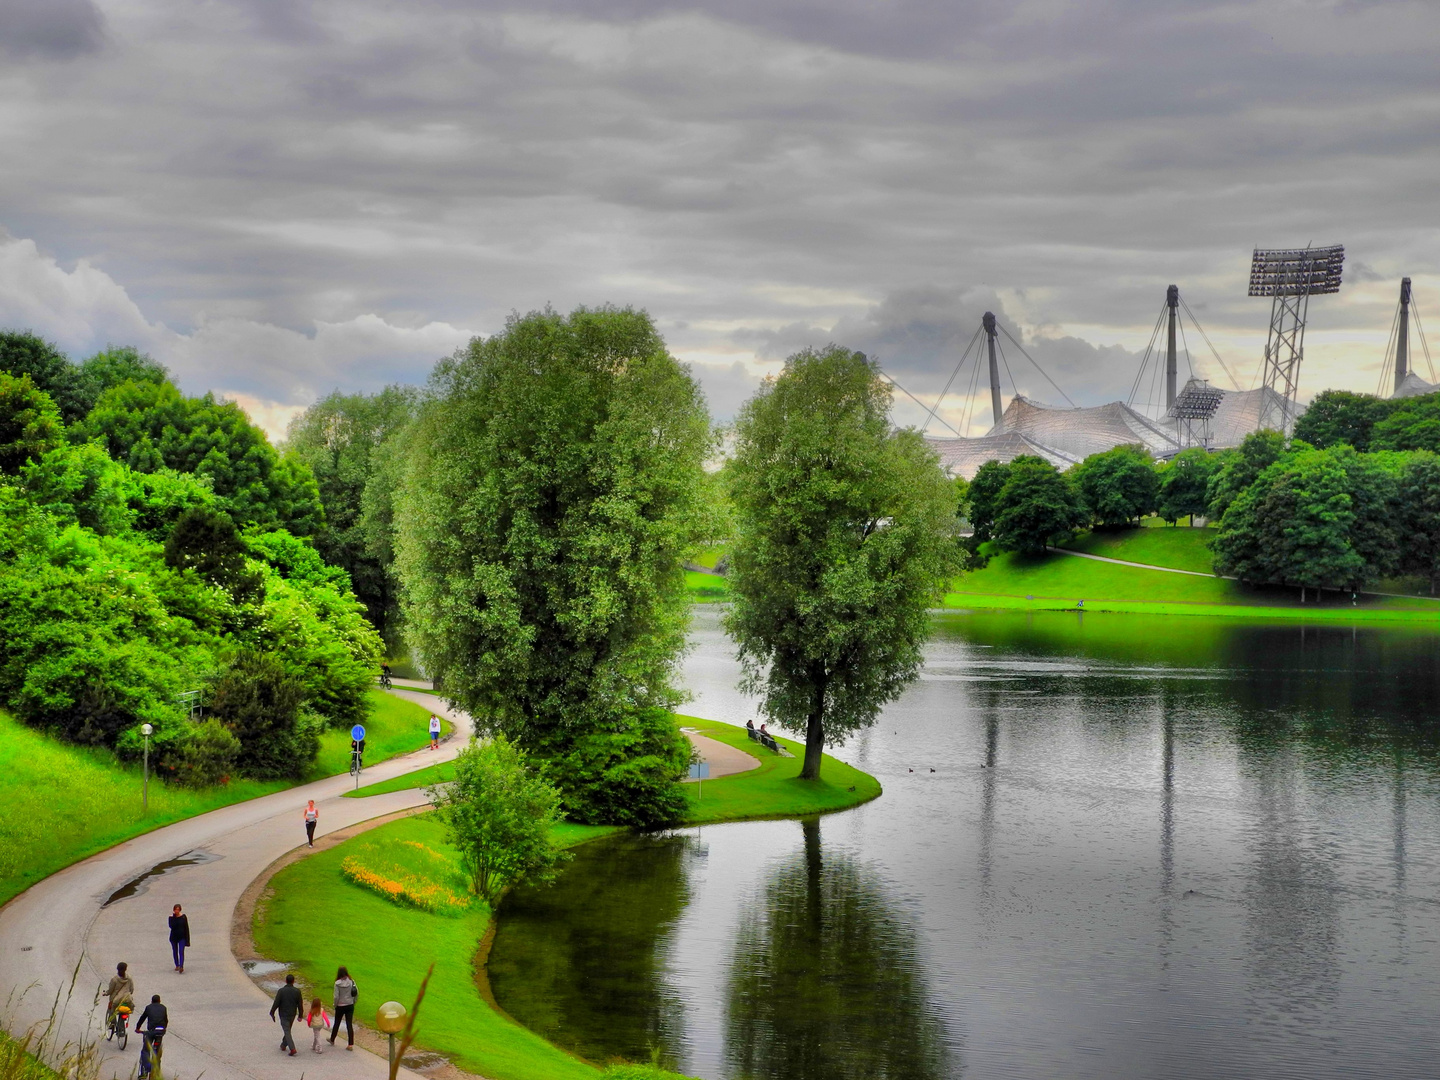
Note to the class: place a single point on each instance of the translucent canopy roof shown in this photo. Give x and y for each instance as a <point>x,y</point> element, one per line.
<point>1414,386</point>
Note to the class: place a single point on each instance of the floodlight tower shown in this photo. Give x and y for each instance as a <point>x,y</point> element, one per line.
<point>1402,336</point>
<point>1290,276</point>
<point>1172,301</point>
<point>987,321</point>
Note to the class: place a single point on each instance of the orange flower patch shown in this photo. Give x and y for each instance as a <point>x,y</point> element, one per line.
<point>401,886</point>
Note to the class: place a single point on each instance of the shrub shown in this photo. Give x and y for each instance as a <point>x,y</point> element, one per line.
<point>261,706</point>
<point>424,884</point>
<point>624,777</point>
<point>203,756</point>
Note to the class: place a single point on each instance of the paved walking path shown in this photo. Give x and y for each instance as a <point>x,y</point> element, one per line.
<point>219,1022</point>
<point>724,759</point>
<point>1137,565</point>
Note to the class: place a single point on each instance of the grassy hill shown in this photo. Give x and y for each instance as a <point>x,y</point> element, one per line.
<point>1059,582</point>
<point>64,803</point>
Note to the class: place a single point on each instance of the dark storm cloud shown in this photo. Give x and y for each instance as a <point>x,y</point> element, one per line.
<point>265,185</point>
<point>50,29</point>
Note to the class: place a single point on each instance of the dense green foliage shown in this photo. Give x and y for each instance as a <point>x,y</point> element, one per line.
<point>1342,416</point>
<point>1118,486</point>
<point>124,583</point>
<point>1413,424</point>
<point>554,485</point>
<point>1185,484</point>
<point>846,532</point>
<point>498,814</point>
<point>1037,507</point>
<point>351,444</point>
<point>1238,468</point>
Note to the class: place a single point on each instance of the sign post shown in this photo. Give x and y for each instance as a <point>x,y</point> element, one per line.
<point>698,772</point>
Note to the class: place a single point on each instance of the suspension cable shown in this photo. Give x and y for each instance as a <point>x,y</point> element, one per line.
<point>1213,351</point>
<point>891,379</point>
<point>1387,366</point>
<point>950,380</point>
<point>1145,359</point>
<point>1037,367</point>
<point>1420,332</point>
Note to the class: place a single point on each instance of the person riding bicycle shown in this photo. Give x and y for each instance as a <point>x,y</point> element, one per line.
<point>385,676</point>
<point>150,1027</point>
<point>120,992</point>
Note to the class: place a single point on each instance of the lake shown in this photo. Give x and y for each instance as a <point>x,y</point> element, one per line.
<point>1109,846</point>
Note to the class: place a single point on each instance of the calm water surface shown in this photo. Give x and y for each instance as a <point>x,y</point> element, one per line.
<point>1109,846</point>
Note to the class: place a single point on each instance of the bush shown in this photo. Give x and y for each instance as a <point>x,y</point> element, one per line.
<point>261,706</point>
<point>625,777</point>
<point>203,756</point>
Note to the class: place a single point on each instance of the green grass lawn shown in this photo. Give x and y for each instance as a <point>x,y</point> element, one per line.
<point>773,790</point>
<point>438,773</point>
<point>316,920</point>
<point>706,588</point>
<point>1181,548</point>
<point>1055,582</point>
<point>710,557</point>
<point>64,803</point>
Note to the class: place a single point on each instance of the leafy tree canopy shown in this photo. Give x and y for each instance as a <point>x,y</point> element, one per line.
<point>981,498</point>
<point>846,534</point>
<point>1185,484</point>
<point>1037,507</point>
<point>1342,416</point>
<point>24,353</point>
<point>1414,424</point>
<point>554,485</point>
<point>149,426</point>
<point>339,439</point>
<point>29,423</point>
<point>1119,486</point>
<point>1238,468</point>
<point>1418,497</point>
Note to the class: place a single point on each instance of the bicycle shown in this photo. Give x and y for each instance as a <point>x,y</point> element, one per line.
<point>118,1028</point>
<point>385,679</point>
<point>152,1043</point>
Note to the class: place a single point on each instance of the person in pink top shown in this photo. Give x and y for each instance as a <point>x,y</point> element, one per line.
<point>311,817</point>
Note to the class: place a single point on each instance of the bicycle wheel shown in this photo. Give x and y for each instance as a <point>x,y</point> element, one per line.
<point>121,1034</point>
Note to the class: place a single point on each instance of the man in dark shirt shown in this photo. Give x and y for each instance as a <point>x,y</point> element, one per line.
<point>151,1025</point>
<point>289,1003</point>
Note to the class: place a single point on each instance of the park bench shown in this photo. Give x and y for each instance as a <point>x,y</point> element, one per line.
<point>764,739</point>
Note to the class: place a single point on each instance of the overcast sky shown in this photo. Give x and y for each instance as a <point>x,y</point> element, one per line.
<point>281,197</point>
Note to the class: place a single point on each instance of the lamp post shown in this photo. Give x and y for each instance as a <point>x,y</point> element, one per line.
<point>147,730</point>
<point>390,1018</point>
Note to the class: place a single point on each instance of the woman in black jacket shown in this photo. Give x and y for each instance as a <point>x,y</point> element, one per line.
<point>179,938</point>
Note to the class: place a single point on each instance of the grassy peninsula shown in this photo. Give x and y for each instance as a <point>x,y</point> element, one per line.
<point>387,945</point>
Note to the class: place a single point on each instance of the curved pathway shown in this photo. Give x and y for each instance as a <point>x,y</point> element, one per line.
<point>219,1022</point>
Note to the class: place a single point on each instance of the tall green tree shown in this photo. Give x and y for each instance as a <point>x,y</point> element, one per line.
<point>1293,526</point>
<point>1037,507</point>
<point>1238,468</point>
<point>339,438</point>
<point>981,498</point>
<point>1342,416</point>
<point>1185,484</point>
<point>553,487</point>
<point>29,423</point>
<point>1119,486</point>
<point>1418,499</point>
<point>499,813</point>
<point>846,534</point>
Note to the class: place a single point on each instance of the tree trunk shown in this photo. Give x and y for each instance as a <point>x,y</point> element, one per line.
<point>814,732</point>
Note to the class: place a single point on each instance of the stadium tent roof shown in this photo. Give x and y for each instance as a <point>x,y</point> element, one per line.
<point>1239,415</point>
<point>1078,433</point>
<point>1414,386</point>
<point>963,457</point>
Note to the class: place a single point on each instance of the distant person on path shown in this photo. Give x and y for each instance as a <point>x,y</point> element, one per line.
<point>385,676</point>
<point>289,1004</point>
<point>151,1025</point>
<point>120,992</point>
<point>311,817</point>
<point>434,732</point>
<point>319,1020</point>
<point>179,938</point>
<point>346,994</point>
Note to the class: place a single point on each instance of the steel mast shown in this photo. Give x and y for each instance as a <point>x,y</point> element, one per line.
<point>988,322</point>
<point>1172,301</point>
<point>1402,335</point>
<point>1290,277</point>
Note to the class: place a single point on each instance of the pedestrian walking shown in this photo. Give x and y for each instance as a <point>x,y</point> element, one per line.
<point>179,938</point>
<point>289,1004</point>
<point>311,817</point>
<point>319,1021</point>
<point>346,994</point>
<point>434,732</point>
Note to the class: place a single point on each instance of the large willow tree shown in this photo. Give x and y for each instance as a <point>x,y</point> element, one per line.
<point>553,488</point>
<point>846,535</point>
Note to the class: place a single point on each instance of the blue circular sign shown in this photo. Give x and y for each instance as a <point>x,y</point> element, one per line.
<point>357,732</point>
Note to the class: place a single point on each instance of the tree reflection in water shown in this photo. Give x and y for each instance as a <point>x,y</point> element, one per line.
<point>826,982</point>
<point>582,963</point>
